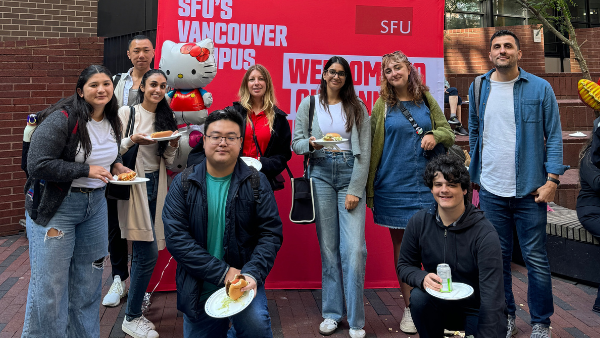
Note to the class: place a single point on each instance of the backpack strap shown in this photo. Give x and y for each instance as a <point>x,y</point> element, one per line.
<point>185,182</point>
<point>477,91</point>
<point>255,182</point>
<point>116,79</point>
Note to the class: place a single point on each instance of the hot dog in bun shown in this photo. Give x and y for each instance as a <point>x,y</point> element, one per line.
<point>160,134</point>
<point>332,137</point>
<point>232,288</point>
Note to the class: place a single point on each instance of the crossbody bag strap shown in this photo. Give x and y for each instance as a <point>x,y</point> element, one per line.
<point>260,152</point>
<point>130,124</point>
<point>311,112</point>
<point>410,119</point>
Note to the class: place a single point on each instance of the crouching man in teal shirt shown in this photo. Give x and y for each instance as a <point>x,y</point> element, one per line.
<point>221,219</point>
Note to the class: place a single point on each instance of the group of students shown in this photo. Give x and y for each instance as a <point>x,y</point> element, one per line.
<point>220,218</point>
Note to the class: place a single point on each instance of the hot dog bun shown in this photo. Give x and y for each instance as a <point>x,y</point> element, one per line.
<point>130,176</point>
<point>232,288</point>
<point>159,134</point>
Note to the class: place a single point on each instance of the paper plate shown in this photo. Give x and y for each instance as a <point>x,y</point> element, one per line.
<point>219,305</point>
<point>327,143</point>
<point>252,162</point>
<point>460,291</point>
<point>166,138</point>
<point>578,134</point>
<point>137,180</point>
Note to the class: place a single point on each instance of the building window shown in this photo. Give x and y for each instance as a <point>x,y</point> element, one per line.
<point>483,13</point>
<point>463,14</point>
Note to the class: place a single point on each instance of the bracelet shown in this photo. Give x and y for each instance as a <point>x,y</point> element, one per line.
<point>554,180</point>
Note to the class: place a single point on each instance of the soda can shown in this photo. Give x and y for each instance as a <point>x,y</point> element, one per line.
<point>443,271</point>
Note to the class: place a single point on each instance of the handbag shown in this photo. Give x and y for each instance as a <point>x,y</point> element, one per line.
<point>303,204</point>
<point>277,182</point>
<point>122,192</point>
<point>439,148</point>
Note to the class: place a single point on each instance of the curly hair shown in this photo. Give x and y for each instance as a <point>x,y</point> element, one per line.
<point>454,171</point>
<point>416,88</point>
<point>163,118</point>
<point>269,100</point>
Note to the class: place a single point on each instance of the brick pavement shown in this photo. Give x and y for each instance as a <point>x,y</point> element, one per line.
<point>294,313</point>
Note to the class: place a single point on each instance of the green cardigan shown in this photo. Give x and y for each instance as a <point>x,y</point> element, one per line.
<point>440,128</point>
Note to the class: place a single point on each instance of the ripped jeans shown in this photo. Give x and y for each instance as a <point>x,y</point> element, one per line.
<point>66,269</point>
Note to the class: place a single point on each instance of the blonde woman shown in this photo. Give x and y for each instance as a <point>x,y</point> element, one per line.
<point>395,190</point>
<point>266,125</point>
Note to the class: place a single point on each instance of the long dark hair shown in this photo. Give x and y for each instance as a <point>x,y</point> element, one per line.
<point>352,107</point>
<point>163,116</point>
<point>82,110</point>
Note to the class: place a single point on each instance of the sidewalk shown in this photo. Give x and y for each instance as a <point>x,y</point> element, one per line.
<point>294,313</point>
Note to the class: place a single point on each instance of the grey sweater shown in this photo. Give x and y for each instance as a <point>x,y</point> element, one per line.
<point>360,142</point>
<point>51,166</point>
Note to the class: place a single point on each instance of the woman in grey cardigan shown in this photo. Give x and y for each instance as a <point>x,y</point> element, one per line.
<point>69,158</point>
<point>339,178</point>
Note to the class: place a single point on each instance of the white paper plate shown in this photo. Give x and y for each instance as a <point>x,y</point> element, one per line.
<point>166,138</point>
<point>252,162</point>
<point>137,180</point>
<point>327,143</point>
<point>578,134</point>
<point>460,291</point>
<point>219,305</point>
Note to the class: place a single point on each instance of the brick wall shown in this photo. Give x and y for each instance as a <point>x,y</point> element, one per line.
<point>30,19</point>
<point>35,74</point>
<point>590,50</point>
<point>466,51</point>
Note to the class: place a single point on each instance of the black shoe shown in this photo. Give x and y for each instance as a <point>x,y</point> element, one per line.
<point>596,308</point>
<point>461,131</point>
<point>453,120</point>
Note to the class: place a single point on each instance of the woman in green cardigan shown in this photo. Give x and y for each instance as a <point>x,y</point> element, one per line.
<point>395,189</point>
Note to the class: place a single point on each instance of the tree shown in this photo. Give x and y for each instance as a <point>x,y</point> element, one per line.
<point>541,9</point>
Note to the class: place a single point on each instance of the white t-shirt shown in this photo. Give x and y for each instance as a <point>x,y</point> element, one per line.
<point>104,151</point>
<point>333,121</point>
<point>499,174</point>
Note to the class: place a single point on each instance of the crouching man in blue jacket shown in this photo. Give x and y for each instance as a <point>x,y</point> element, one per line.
<point>454,232</point>
<point>221,219</point>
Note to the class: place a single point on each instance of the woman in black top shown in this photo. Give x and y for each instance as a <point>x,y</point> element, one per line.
<point>588,201</point>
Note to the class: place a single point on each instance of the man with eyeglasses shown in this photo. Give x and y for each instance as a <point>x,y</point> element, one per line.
<point>221,222</point>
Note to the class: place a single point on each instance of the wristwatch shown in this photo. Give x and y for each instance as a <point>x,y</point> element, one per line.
<point>551,179</point>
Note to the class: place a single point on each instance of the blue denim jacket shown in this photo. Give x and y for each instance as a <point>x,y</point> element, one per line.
<point>537,120</point>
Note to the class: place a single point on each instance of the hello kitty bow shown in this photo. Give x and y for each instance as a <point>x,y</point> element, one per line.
<point>201,54</point>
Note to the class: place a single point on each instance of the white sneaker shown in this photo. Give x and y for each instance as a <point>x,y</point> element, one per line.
<point>116,292</point>
<point>148,322</point>
<point>138,328</point>
<point>360,333</point>
<point>406,324</point>
<point>327,327</point>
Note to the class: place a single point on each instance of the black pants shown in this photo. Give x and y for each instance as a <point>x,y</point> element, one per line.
<point>432,315</point>
<point>117,246</point>
<point>589,217</point>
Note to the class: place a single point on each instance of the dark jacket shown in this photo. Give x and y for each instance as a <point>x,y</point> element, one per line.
<point>471,248</point>
<point>253,233</point>
<point>278,151</point>
<point>589,175</point>
<point>51,159</point>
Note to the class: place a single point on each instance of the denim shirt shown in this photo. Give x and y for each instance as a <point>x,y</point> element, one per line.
<point>537,120</point>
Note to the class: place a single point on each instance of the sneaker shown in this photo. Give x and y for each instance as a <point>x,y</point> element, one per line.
<point>450,333</point>
<point>540,331</point>
<point>328,326</point>
<point>360,333</point>
<point>116,292</point>
<point>512,328</point>
<point>453,120</point>
<point>460,130</point>
<point>406,324</point>
<point>138,328</point>
<point>149,323</point>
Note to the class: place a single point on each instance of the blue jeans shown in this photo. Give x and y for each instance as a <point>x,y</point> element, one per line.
<point>253,322</point>
<point>432,315</point>
<point>66,270</point>
<point>529,219</point>
<point>341,236</point>
<point>144,257</point>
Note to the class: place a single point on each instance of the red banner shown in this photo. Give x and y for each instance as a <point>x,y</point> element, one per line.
<point>294,40</point>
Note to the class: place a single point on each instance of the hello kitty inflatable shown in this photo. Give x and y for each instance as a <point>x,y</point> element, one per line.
<point>189,68</point>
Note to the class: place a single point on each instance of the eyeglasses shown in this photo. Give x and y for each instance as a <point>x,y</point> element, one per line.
<point>332,72</point>
<point>214,140</point>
